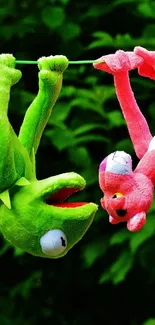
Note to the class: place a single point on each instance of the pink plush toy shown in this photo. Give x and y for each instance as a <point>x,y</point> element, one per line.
<point>128,194</point>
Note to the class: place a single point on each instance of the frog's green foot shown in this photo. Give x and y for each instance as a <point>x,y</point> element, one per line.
<point>57,63</point>
<point>8,60</point>
<point>51,69</point>
<point>7,68</point>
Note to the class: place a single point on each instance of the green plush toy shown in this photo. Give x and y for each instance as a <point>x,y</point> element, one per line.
<point>33,214</point>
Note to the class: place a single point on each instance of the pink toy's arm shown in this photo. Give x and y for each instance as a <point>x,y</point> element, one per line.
<point>119,64</point>
<point>137,124</point>
<point>146,165</point>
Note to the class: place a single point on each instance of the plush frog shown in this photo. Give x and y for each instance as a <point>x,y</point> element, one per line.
<point>33,213</point>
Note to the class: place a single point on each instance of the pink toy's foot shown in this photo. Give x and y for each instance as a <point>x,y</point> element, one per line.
<point>147,68</point>
<point>137,222</point>
<point>113,220</point>
<point>120,61</point>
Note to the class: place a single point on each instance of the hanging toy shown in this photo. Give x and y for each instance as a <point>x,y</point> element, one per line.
<point>33,213</point>
<point>128,194</point>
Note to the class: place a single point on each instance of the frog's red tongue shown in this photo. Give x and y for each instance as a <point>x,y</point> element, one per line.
<point>58,199</point>
<point>70,204</point>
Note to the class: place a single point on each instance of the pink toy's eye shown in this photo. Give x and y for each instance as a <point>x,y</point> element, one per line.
<point>116,195</point>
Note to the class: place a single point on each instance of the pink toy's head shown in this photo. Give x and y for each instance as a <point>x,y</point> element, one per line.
<point>128,194</point>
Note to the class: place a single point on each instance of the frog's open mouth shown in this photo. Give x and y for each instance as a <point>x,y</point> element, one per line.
<point>58,199</point>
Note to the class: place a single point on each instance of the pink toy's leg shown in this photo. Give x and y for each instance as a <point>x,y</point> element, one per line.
<point>137,125</point>
<point>137,222</point>
<point>113,220</point>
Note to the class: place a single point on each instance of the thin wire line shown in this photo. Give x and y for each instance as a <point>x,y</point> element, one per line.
<point>70,62</point>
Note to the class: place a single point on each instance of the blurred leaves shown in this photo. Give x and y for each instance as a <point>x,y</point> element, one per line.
<point>53,17</point>
<point>123,41</point>
<point>120,237</point>
<point>24,288</point>
<point>92,252</point>
<point>150,321</point>
<point>140,237</point>
<point>118,270</point>
<point>147,9</point>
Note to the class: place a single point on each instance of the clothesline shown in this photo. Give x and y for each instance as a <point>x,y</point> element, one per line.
<point>70,62</point>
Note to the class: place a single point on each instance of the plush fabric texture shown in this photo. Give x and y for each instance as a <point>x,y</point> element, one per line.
<point>128,194</point>
<point>146,68</point>
<point>119,64</point>
<point>33,213</point>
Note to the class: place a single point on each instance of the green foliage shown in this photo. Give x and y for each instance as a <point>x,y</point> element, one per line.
<point>150,321</point>
<point>111,270</point>
<point>53,17</point>
<point>118,270</point>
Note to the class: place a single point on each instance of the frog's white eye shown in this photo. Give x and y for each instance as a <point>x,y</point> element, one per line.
<point>54,242</point>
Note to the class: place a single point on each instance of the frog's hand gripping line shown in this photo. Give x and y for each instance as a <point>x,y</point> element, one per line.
<point>33,214</point>
<point>128,194</point>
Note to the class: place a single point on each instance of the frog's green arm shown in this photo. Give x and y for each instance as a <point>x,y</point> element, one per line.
<point>8,77</point>
<point>38,113</point>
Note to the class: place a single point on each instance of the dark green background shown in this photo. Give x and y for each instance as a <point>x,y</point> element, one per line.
<point>109,277</point>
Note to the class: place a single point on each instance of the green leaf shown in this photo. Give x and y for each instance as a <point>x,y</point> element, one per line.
<point>115,119</point>
<point>5,248</point>
<point>18,252</point>
<point>125,145</point>
<point>90,174</point>
<point>103,39</point>
<point>53,17</point>
<point>64,2</point>
<point>80,157</point>
<point>92,138</point>
<point>152,110</point>
<point>69,31</point>
<point>147,9</point>
<point>121,267</point>
<point>145,233</point>
<point>88,127</point>
<point>24,288</point>
<point>61,138</point>
<point>149,30</point>
<point>87,104</point>
<point>92,252</point>
<point>60,113</point>
<point>120,237</point>
<point>94,11</point>
<point>104,277</point>
<point>67,91</point>
<point>150,321</point>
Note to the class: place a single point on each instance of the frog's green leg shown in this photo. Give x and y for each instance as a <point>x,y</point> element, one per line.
<point>37,115</point>
<point>8,77</point>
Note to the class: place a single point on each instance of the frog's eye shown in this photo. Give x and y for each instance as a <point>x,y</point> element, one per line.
<point>54,242</point>
<point>116,195</point>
